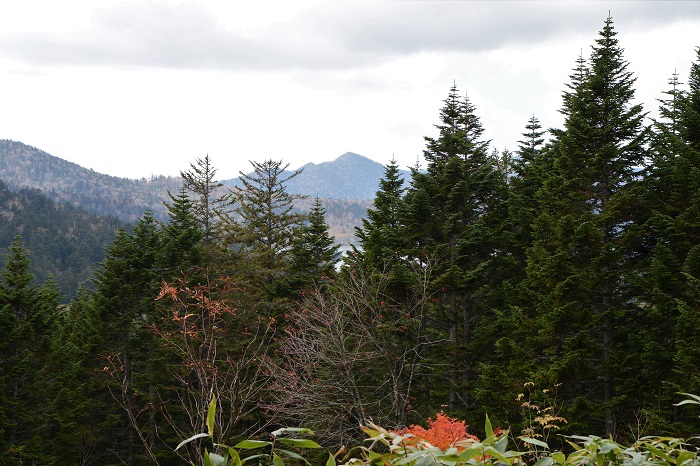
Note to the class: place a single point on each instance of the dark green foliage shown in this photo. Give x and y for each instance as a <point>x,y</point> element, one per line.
<point>264,226</point>
<point>209,202</point>
<point>181,246</point>
<point>452,218</point>
<point>28,317</point>
<point>382,236</point>
<point>61,241</point>
<point>673,187</point>
<point>122,309</point>
<point>572,264</point>
<point>581,267</point>
<point>313,254</point>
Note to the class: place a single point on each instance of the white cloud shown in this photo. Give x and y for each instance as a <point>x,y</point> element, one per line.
<point>140,88</point>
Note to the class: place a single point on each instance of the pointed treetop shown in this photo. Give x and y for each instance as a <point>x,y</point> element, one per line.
<point>16,273</point>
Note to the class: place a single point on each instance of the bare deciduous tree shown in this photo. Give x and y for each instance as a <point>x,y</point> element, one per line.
<point>352,355</point>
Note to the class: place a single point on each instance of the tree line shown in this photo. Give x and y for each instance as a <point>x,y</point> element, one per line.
<point>554,288</point>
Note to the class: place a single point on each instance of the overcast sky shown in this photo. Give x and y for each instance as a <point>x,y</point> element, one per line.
<point>135,88</point>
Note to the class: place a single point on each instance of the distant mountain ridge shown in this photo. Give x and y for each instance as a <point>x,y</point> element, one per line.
<point>350,176</point>
<point>348,185</point>
<point>25,166</point>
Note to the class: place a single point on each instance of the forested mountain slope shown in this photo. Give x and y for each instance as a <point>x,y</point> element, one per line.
<point>348,184</point>
<point>62,241</point>
<point>63,181</point>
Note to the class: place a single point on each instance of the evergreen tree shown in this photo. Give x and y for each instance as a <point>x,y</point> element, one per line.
<point>581,267</point>
<point>381,234</point>
<point>28,320</point>
<point>77,405</point>
<point>123,310</point>
<point>530,167</point>
<point>313,255</point>
<point>209,203</point>
<point>264,226</point>
<point>452,220</point>
<point>181,237</point>
<point>672,186</point>
<point>687,349</point>
<point>503,374</point>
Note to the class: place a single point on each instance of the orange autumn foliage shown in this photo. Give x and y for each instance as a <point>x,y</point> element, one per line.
<point>442,432</point>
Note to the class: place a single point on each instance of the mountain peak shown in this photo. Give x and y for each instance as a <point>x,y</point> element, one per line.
<point>351,156</point>
<point>349,177</point>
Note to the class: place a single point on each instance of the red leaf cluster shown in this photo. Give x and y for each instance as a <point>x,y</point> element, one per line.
<point>442,432</point>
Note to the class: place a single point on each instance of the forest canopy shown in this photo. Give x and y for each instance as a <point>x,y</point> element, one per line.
<point>557,282</point>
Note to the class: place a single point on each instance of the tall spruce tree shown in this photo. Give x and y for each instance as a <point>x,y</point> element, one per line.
<point>582,264</point>
<point>502,377</point>
<point>313,255</point>
<point>452,220</point>
<point>264,226</point>
<point>673,184</point>
<point>687,348</point>
<point>28,316</point>
<point>181,246</point>
<point>122,310</point>
<point>382,235</point>
<point>209,201</point>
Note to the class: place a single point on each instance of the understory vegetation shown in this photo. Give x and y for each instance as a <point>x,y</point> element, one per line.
<point>552,290</point>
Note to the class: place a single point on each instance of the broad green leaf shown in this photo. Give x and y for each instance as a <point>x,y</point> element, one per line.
<point>533,441</point>
<point>370,432</point>
<point>254,457</point>
<point>490,451</point>
<point>277,461</point>
<point>331,460</point>
<point>235,457</point>
<point>292,454</point>
<point>544,461</point>
<point>194,437</point>
<point>425,461</point>
<point>300,443</point>
<point>250,444</point>
<point>451,458</point>
<point>469,453</point>
<point>559,457</point>
<point>501,444</point>
<point>608,447</point>
<point>660,453</point>
<point>210,415</point>
<point>487,428</point>
<point>684,456</point>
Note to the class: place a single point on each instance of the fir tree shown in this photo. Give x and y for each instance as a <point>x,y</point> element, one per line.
<point>313,255</point>
<point>181,246</point>
<point>672,186</point>
<point>581,266</point>
<point>28,321</point>
<point>452,212</point>
<point>264,225</point>
<point>382,234</point>
<point>122,311</point>
<point>209,203</point>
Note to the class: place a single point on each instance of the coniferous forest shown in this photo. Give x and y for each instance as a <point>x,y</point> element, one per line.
<point>554,288</point>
